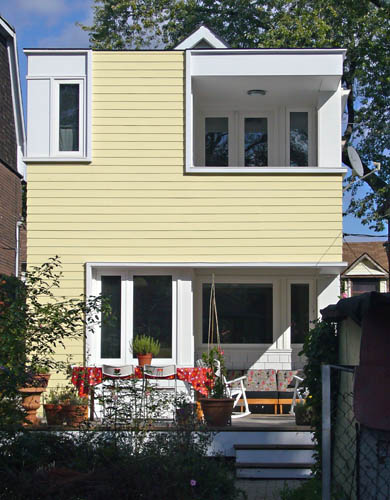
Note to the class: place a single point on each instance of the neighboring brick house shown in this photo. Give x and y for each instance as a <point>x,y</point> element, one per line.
<point>367,269</point>
<point>12,142</point>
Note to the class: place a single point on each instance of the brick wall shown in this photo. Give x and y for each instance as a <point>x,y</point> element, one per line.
<point>7,121</point>
<point>10,213</point>
<point>10,182</point>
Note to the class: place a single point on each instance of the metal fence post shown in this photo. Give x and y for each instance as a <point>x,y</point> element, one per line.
<point>326,430</point>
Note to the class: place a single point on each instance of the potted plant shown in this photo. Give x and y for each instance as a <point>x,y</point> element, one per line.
<point>36,382</point>
<point>217,407</point>
<point>145,347</point>
<point>53,408</point>
<point>74,407</point>
<point>185,410</point>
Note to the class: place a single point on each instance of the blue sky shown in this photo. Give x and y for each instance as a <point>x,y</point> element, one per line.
<point>51,23</point>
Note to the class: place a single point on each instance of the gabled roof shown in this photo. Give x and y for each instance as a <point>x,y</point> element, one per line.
<point>202,37</point>
<point>8,33</point>
<point>371,251</point>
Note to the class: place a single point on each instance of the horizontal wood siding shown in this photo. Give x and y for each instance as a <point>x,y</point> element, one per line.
<point>134,202</point>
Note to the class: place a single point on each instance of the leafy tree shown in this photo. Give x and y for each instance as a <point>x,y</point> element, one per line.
<point>34,322</point>
<point>362,27</point>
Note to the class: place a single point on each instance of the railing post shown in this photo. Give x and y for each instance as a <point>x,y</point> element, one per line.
<point>326,430</point>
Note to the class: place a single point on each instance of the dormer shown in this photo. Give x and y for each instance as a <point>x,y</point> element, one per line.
<point>261,110</point>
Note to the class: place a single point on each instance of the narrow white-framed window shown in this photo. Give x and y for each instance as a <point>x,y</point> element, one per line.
<point>255,139</point>
<point>247,310</point>
<point>68,118</point>
<point>217,139</point>
<point>300,134</point>
<point>301,310</point>
<point>112,338</point>
<point>153,310</point>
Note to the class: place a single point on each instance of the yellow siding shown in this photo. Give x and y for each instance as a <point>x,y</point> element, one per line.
<point>134,203</point>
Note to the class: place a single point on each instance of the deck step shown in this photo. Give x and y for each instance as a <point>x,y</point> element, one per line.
<point>273,471</point>
<point>274,447</point>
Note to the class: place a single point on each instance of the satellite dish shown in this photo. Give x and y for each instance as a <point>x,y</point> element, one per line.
<point>356,163</point>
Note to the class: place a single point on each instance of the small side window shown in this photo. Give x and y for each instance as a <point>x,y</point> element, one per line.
<point>69,117</point>
<point>217,141</point>
<point>299,138</point>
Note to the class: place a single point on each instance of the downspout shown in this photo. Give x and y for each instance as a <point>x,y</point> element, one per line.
<point>17,247</point>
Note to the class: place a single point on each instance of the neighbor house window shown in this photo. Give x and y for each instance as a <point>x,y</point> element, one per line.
<point>217,141</point>
<point>300,311</point>
<point>152,310</point>
<point>245,312</point>
<point>363,285</point>
<point>69,113</point>
<point>299,138</point>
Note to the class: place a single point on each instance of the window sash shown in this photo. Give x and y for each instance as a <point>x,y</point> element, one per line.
<point>59,133</point>
<point>128,277</point>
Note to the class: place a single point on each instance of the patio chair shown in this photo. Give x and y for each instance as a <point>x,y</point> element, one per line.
<point>115,392</point>
<point>167,372</point>
<point>299,392</point>
<point>235,388</point>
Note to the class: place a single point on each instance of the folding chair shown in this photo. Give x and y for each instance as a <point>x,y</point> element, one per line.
<point>298,392</point>
<point>167,372</point>
<point>117,390</point>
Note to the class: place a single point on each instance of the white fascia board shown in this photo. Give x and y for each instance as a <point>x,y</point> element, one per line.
<point>283,62</point>
<point>16,96</point>
<point>202,33</point>
<point>324,267</point>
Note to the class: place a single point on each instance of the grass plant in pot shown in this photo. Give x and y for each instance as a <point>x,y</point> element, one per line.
<point>145,347</point>
<point>74,407</point>
<point>217,407</point>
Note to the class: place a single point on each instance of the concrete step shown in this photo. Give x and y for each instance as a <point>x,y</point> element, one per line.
<point>270,470</point>
<point>274,453</point>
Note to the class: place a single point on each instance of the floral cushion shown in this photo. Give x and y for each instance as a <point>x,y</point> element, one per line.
<point>286,381</point>
<point>261,380</point>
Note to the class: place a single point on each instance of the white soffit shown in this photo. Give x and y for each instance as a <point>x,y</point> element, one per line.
<point>325,63</point>
<point>201,34</point>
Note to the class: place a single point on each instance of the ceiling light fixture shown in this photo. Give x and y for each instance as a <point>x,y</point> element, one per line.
<point>256,92</point>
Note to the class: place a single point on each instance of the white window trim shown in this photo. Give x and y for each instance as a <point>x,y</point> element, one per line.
<point>270,135</point>
<point>276,303</point>
<point>311,137</point>
<point>312,304</point>
<point>127,291</point>
<point>201,133</point>
<point>55,128</point>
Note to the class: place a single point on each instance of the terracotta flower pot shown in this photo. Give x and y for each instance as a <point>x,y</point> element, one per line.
<point>217,412</point>
<point>75,415</point>
<point>54,414</point>
<point>31,396</point>
<point>144,359</point>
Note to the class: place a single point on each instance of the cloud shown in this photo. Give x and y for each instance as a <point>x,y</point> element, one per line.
<point>70,36</point>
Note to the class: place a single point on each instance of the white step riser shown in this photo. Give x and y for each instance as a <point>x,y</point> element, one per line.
<point>223,442</point>
<point>273,473</point>
<point>275,456</point>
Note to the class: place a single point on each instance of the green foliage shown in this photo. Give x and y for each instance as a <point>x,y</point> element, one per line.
<point>143,344</point>
<point>308,490</point>
<point>215,362</point>
<point>87,465</point>
<point>320,347</point>
<point>34,324</point>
